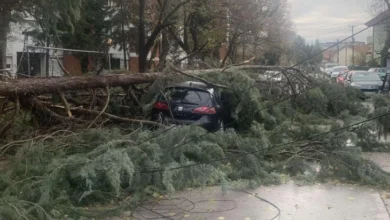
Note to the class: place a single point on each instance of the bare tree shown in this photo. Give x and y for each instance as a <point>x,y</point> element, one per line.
<point>161,17</point>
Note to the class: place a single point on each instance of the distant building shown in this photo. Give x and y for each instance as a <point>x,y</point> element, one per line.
<point>344,55</point>
<point>380,25</point>
<point>333,45</point>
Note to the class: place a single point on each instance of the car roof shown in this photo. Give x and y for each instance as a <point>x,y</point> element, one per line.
<point>191,84</point>
<point>339,66</point>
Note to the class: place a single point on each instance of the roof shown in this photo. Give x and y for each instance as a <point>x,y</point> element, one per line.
<point>191,84</point>
<point>379,18</point>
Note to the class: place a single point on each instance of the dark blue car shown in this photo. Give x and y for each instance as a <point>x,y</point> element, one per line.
<point>190,103</point>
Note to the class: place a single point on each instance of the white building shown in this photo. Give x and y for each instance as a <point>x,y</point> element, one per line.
<point>19,41</point>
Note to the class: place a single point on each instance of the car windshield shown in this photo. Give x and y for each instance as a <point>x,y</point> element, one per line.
<point>364,77</point>
<point>188,96</point>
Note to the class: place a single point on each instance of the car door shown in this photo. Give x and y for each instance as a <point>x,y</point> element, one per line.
<point>347,80</point>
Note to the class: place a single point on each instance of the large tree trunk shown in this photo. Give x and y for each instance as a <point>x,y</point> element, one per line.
<point>165,47</point>
<point>5,19</point>
<point>37,86</point>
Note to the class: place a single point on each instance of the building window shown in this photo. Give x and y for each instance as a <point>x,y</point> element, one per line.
<point>115,63</point>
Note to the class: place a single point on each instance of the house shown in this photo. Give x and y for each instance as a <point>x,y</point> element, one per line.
<point>344,55</point>
<point>380,25</point>
<point>328,55</point>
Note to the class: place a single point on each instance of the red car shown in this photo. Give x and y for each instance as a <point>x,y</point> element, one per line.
<point>341,78</point>
<point>346,76</point>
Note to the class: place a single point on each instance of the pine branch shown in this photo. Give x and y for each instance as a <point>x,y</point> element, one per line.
<point>197,78</point>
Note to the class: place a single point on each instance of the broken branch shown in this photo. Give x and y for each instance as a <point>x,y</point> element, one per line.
<point>66,104</point>
<point>103,110</point>
<point>239,64</point>
<point>198,78</point>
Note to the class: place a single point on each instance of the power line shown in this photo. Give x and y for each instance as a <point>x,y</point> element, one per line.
<point>331,32</point>
<point>273,104</point>
<point>278,102</point>
<point>339,24</point>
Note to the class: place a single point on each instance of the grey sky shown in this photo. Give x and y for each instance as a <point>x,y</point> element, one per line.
<point>328,20</point>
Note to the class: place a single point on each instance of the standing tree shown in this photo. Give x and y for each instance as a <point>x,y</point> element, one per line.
<point>310,53</point>
<point>161,15</point>
<point>253,25</point>
<point>89,31</point>
<point>200,29</point>
<point>47,14</point>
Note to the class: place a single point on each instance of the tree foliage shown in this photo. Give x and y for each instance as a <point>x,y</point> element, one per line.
<point>310,53</point>
<point>59,175</point>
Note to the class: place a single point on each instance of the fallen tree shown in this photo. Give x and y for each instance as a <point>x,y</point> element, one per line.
<point>37,96</point>
<point>59,175</point>
<point>38,86</point>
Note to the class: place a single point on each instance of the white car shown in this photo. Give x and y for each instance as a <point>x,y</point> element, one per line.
<point>335,72</point>
<point>328,67</point>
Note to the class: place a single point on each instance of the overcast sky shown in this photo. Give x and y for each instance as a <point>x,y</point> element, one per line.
<point>328,20</point>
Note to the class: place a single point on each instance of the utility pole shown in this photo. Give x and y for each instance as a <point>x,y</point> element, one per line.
<point>353,45</point>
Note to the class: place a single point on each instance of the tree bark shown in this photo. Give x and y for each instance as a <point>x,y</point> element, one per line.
<point>37,86</point>
<point>5,18</point>
<point>230,49</point>
<point>165,46</point>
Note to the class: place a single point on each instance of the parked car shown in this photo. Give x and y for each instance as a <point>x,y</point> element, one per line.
<point>191,103</point>
<point>364,80</point>
<point>341,78</point>
<point>380,71</point>
<point>328,67</point>
<point>337,70</point>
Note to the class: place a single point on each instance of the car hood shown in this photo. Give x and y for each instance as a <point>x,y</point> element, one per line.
<point>367,85</point>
